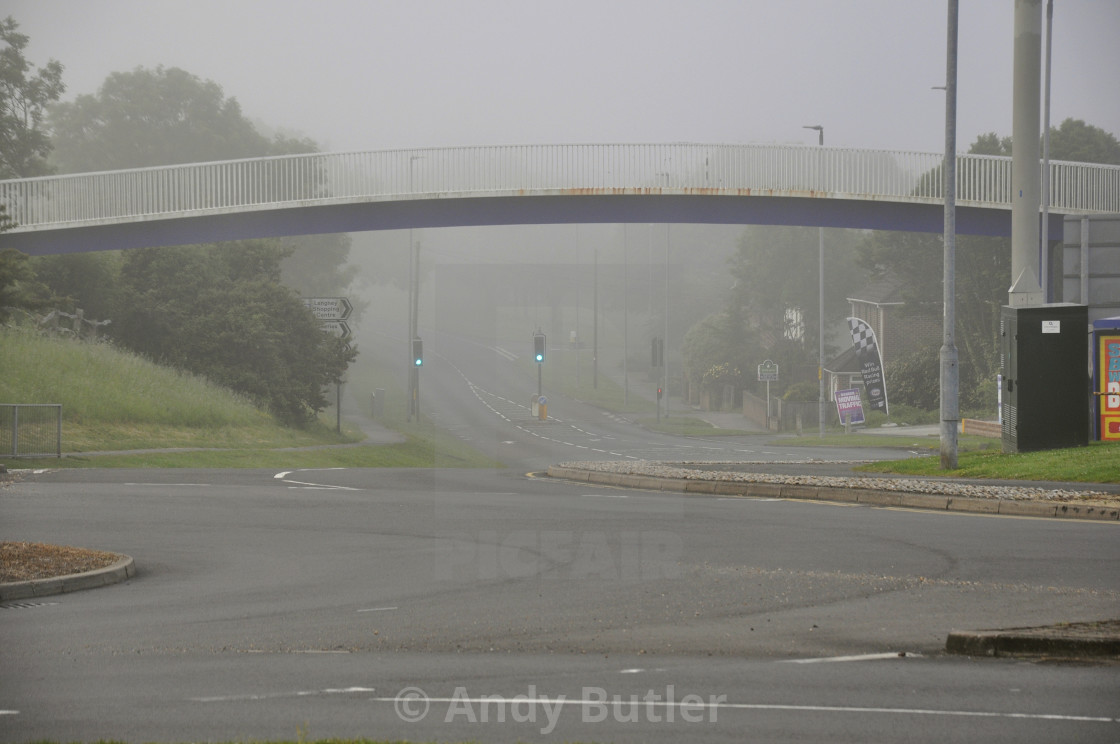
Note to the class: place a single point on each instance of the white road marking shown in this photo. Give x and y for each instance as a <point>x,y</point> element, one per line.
<point>695,704</point>
<point>860,657</point>
<point>185,485</point>
<point>278,695</point>
<point>605,496</point>
<point>9,712</point>
<point>379,609</point>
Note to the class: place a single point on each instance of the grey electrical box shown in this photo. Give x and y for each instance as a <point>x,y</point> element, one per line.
<point>1044,353</point>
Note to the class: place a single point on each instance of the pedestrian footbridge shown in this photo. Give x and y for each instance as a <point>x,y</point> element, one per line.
<point>532,184</point>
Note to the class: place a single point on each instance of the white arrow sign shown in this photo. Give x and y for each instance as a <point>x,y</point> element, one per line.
<point>329,308</point>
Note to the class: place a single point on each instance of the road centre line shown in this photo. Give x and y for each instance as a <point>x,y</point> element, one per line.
<point>279,695</point>
<point>182,485</point>
<point>698,705</point>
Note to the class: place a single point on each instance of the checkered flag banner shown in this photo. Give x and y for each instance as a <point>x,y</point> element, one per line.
<point>870,362</point>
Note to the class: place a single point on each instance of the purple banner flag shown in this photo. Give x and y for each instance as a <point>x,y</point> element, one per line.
<point>871,364</point>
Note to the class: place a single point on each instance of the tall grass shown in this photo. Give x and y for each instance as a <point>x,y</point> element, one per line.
<point>99,384</point>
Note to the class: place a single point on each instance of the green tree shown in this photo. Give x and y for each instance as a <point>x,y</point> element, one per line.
<point>18,286</point>
<point>24,96</point>
<point>220,311</point>
<point>167,116</point>
<point>1079,142</point>
<point>152,117</point>
<point>982,279</point>
<point>776,271</point>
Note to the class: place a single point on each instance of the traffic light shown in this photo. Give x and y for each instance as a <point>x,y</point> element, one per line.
<point>538,347</point>
<point>659,393</point>
<point>417,352</point>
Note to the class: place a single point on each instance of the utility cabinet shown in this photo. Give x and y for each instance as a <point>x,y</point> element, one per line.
<point>1044,353</point>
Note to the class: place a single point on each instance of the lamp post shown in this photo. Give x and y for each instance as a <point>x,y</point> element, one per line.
<point>413,309</point>
<point>820,300</point>
<point>949,378</point>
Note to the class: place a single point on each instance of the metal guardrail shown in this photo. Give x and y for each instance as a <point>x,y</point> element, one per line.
<point>325,178</point>
<point>30,430</point>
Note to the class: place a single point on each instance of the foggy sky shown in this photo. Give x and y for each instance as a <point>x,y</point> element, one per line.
<point>369,75</point>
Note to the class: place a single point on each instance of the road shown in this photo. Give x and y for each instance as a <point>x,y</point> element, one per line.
<point>478,391</point>
<point>302,603</point>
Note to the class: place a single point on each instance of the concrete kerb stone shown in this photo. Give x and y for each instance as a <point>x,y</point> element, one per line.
<point>1050,642</point>
<point>122,569</point>
<point>870,497</point>
<point>1086,511</point>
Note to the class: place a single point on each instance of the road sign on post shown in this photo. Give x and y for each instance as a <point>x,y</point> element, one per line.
<point>338,328</point>
<point>329,308</point>
<point>768,372</point>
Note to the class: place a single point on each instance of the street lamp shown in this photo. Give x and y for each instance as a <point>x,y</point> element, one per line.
<point>820,300</point>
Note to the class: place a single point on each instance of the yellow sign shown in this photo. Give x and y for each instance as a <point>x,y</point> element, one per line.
<point>1109,371</point>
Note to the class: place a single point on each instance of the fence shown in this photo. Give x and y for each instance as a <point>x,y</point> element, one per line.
<point>30,430</point>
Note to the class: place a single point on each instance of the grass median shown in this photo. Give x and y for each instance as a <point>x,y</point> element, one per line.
<point>1097,463</point>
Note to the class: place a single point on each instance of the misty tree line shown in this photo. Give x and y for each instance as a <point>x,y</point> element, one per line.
<point>228,311</point>
<point>775,272</point>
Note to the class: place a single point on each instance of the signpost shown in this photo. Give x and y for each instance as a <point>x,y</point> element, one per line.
<point>768,372</point>
<point>333,312</point>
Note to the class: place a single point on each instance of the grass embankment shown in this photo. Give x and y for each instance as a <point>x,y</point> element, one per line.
<point>113,401</point>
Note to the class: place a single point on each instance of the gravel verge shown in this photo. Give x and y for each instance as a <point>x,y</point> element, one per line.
<point>743,472</point>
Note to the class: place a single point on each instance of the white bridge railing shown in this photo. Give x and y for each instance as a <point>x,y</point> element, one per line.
<point>332,178</point>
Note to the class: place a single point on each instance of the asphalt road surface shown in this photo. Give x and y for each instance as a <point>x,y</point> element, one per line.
<point>269,603</point>
<point>490,605</point>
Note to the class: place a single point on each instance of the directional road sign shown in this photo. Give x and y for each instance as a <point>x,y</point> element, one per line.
<point>336,328</point>
<point>329,308</point>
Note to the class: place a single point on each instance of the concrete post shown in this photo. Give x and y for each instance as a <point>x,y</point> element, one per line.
<point>1026,175</point>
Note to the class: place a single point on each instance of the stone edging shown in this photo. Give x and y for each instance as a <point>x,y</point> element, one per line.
<point>124,568</point>
<point>848,495</point>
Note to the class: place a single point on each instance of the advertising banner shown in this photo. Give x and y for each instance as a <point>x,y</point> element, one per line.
<point>871,364</point>
<point>849,404</point>
<point>1109,379</point>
